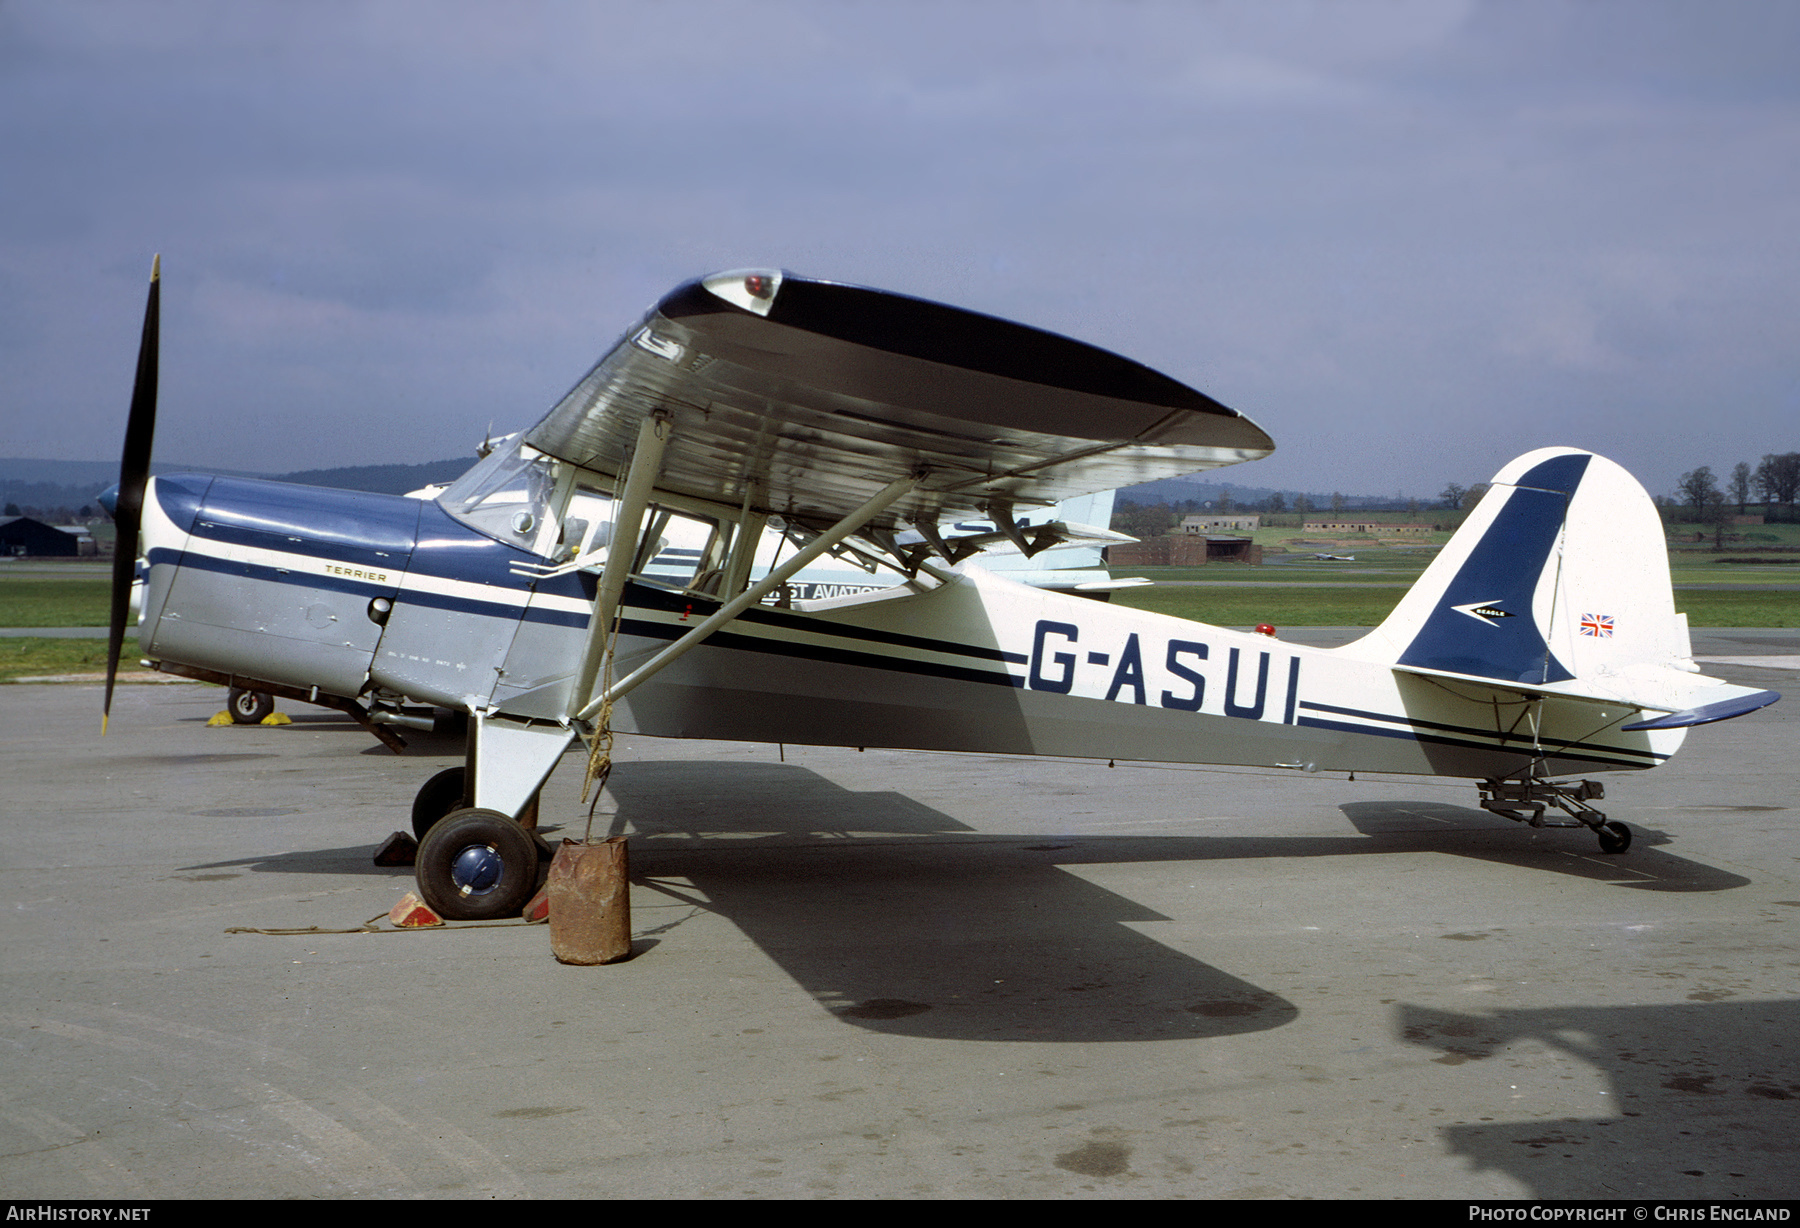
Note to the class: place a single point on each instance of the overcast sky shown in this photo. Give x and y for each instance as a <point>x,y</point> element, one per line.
<point>1410,238</point>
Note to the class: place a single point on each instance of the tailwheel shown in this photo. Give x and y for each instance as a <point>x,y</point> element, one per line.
<point>1615,837</point>
<point>1525,798</point>
<point>249,707</point>
<point>477,865</point>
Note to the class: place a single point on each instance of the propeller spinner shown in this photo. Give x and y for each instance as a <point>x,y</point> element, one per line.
<point>134,476</point>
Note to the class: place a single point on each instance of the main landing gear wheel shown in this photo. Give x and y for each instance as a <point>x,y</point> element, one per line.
<point>249,707</point>
<point>437,798</point>
<point>447,791</point>
<point>1615,837</point>
<point>477,865</point>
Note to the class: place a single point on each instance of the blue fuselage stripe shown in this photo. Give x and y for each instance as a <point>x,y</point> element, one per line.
<point>821,652</point>
<point>1560,751</point>
<point>645,597</point>
<point>267,574</point>
<point>1413,726</point>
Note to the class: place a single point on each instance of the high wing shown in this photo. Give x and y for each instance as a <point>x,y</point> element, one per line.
<point>806,398</point>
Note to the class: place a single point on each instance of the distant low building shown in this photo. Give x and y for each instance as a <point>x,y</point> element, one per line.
<point>85,545</point>
<point>23,537</point>
<point>1214,524</point>
<point>1184,550</point>
<point>1359,526</point>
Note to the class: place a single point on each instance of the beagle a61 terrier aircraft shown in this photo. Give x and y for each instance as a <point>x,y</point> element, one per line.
<point>873,427</point>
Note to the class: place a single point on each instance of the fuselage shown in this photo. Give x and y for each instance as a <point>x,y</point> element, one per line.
<point>986,665</point>
<point>363,595</point>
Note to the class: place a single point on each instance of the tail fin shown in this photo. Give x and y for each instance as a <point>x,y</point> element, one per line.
<point>1558,582</point>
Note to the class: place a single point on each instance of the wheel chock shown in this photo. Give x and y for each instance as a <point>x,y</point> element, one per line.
<point>399,849</point>
<point>217,719</point>
<point>277,718</point>
<point>538,911</point>
<point>413,913</point>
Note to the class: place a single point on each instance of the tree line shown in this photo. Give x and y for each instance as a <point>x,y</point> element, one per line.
<point>1775,483</point>
<point>61,514</point>
<point>1702,498</point>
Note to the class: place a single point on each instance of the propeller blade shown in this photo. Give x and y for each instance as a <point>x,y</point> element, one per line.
<point>134,475</point>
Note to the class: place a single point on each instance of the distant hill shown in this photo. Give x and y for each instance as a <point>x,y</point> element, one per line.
<point>16,472</point>
<point>72,484</point>
<point>47,484</point>
<point>383,479</point>
<point>1177,491</point>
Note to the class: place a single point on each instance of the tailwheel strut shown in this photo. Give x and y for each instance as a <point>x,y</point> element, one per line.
<point>1525,797</point>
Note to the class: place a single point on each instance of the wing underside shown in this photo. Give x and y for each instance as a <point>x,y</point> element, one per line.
<point>806,398</point>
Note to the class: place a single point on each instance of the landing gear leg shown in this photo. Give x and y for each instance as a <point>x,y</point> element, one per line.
<point>1523,799</point>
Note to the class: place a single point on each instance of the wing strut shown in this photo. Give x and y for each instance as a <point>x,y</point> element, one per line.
<point>750,523</point>
<point>893,491</point>
<point>628,520</point>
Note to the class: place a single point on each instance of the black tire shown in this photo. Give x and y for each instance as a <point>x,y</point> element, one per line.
<point>477,865</point>
<point>436,798</point>
<point>1614,837</point>
<point>249,707</point>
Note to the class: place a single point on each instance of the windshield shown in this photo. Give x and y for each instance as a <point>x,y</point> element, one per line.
<point>506,495</point>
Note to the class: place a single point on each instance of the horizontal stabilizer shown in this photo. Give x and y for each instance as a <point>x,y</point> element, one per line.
<point>1090,580</point>
<point>1044,536</point>
<point>1706,714</point>
<point>1672,691</point>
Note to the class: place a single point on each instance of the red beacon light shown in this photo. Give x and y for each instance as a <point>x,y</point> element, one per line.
<point>1265,629</point>
<point>752,289</point>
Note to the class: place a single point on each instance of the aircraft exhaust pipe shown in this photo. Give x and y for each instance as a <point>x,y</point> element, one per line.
<point>388,716</point>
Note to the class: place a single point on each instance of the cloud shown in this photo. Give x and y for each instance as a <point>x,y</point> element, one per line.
<point>1485,226</point>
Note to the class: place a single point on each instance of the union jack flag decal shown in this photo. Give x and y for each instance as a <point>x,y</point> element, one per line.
<point>1600,625</point>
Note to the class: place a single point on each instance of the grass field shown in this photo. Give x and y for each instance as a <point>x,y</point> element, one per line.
<point>54,601</point>
<point>1360,595</point>
<point>1286,605</point>
<point>25,657</point>
<point>1303,606</point>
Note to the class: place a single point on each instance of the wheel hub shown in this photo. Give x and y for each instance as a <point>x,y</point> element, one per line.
<point>477,869</point>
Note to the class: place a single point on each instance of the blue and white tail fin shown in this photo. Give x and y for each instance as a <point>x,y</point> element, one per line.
<point>1558,583</point>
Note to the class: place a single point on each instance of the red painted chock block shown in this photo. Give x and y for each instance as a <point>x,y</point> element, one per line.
<point>413,913</point>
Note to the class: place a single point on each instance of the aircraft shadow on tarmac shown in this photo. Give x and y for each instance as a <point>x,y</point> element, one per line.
<point>899,918</point>
<point>1468,832</point>
<point>903,919</point>
<point>1702,1092</point>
